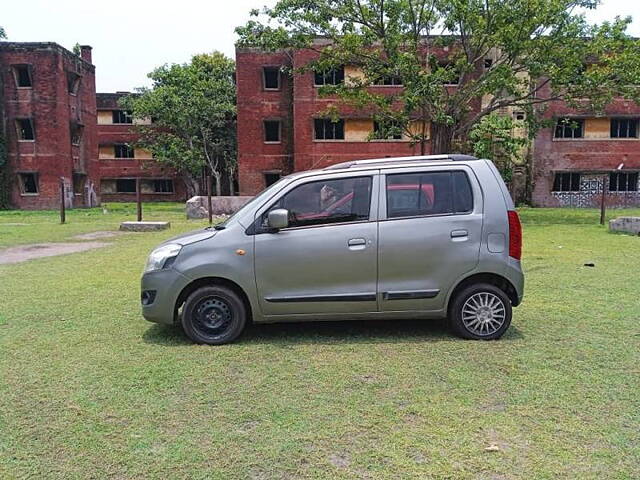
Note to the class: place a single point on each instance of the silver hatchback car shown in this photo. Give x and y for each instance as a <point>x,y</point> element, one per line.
<point>415,237</point>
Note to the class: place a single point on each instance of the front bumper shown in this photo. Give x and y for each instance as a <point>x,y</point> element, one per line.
<point>167,285</point>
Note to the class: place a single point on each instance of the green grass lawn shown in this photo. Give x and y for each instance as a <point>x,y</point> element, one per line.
<point>88,389</point>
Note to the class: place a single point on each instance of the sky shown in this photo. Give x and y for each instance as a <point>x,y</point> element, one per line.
<point>132,37</point>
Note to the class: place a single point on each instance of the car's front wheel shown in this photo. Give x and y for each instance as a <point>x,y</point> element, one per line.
<point>480,312</point>
<point>213,315</point>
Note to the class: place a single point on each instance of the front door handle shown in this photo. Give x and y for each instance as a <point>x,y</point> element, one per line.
<point>459,233</point>
<point>355,242</point>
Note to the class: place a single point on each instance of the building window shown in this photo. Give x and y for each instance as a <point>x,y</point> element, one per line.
<point>25,128</point>
<point>122,116</point>
<point>569,128</point>
<point>333,76</point>
<point>623,182</point>
<point>270,178</point>
<point>271,78</point>
<point>22,74</point>
<point>73,82</point>
<point>28,183</point>
<point>389,80</point>
<point>272,130</point>
<point>387,131</point>
<point>326,129</point>
<point>125,185</point>
<point>519,116</point>
<point>79,181</point>
<point>163,185</point>
<point>122,150</point>
<point>488,63</point>
<point>76,133</point>
<point>624,128</point>
<point>566,182</point>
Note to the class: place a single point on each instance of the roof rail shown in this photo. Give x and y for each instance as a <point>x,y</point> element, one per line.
<point>415,158</point>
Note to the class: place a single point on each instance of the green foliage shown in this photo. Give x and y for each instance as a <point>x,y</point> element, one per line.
<point>3,33</point>
<point>193,107</point>
<point>77,49</point>
<point>540,51</point>
<point>495,137</point>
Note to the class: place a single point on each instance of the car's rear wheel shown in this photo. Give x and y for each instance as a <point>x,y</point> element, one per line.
<point>213,315</point>
<point>480,312</point>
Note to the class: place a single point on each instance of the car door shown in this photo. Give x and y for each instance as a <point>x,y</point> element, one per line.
<point>429,235</point>
<point>325,261</point>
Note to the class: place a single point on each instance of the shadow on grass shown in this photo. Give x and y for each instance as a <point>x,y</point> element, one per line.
<point>365,331</point>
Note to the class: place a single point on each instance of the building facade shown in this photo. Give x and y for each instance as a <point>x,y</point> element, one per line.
<point>57,129</point>
<point>122,163</point>
<point>281,130</point>
<point>49,124</point>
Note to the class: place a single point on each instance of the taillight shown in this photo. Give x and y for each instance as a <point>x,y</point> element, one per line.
<point>515,235</point>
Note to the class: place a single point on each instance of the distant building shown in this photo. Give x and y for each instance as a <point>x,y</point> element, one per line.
<point>55,127</point>
<point>48,107</point>
<point>281,130</point>
<point>121,163</point>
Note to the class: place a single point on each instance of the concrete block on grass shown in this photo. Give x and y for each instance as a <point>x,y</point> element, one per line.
<point>144,226</point>
<point>626,225</point>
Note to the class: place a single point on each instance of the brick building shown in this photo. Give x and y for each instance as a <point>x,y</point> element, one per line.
<point>121,163</point>
<point>280,130</point>
<point>48,107</point>
<point>56,127</point>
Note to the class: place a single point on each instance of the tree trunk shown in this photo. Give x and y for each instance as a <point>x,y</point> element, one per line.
<point>191,184</point>
<point>216,175</point>
<point>441,138</point>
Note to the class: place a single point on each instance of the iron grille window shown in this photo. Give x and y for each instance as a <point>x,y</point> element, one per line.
<point>271,177</point>
<point>566,182</point>
<point>569,128</point>
<point>76,133</point>
<point>624,128</point>
<point>23,75</point>
<point>272,130</point>
<point>73,82</point>
<point>25,129</point>
<point>122,116</point>
<point>387,131</point>
<point>333,76</point>
<point>29,183</point>
<point>79,181</point>
<point>389,80</point>
<point>271,78</point>
<point>163,185</point>
<point>126,185</point>
<point>623,182</point>
<point>123,151</point>
<point>326,129</point>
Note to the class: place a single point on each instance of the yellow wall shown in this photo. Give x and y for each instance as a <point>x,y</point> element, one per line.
<point>106,151</point>
<point>357,130</point>
<point>142,153</point>
<point>597,128</point>
<point>105,117</point>
<point>352,73</point>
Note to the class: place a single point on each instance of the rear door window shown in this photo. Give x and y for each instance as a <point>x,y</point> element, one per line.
<point>433,193</point>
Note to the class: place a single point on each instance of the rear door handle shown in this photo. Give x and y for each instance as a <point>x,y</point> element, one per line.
<point>459,233</point>
<point>354,242</point>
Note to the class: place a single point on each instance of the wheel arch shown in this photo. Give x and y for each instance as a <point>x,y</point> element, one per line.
<point>486,277</point>
<point>206,282</point>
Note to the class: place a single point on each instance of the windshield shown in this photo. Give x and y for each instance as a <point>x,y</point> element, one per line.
<point>266,193</point>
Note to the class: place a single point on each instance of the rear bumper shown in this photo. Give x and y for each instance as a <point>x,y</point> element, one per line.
<point>514,274</point>
<point>164,287</point>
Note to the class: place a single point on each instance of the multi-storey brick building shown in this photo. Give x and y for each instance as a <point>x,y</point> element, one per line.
<point>121,162</point>
<point>280,130</point>
<point>49,124</point>
<point>56,127</point>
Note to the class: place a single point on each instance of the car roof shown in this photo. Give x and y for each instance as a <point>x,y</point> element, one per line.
<point>393,162</point>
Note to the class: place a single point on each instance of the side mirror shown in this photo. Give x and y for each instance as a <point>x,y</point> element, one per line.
<point>278,218</point>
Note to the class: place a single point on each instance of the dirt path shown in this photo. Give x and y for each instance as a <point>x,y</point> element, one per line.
<point>23,253</point>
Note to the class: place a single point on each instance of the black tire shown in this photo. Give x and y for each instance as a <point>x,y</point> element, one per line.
<point>214,315</point>
<point>480,312</point>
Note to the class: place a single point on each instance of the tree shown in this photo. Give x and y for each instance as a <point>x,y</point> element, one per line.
<point>3,34</point>
<point>449,54</point>
<point>193,112</point>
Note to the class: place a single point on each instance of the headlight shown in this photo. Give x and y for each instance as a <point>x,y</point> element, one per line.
<point>158,258</point>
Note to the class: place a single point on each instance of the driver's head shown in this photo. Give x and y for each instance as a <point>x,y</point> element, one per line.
<point>328,195</point>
